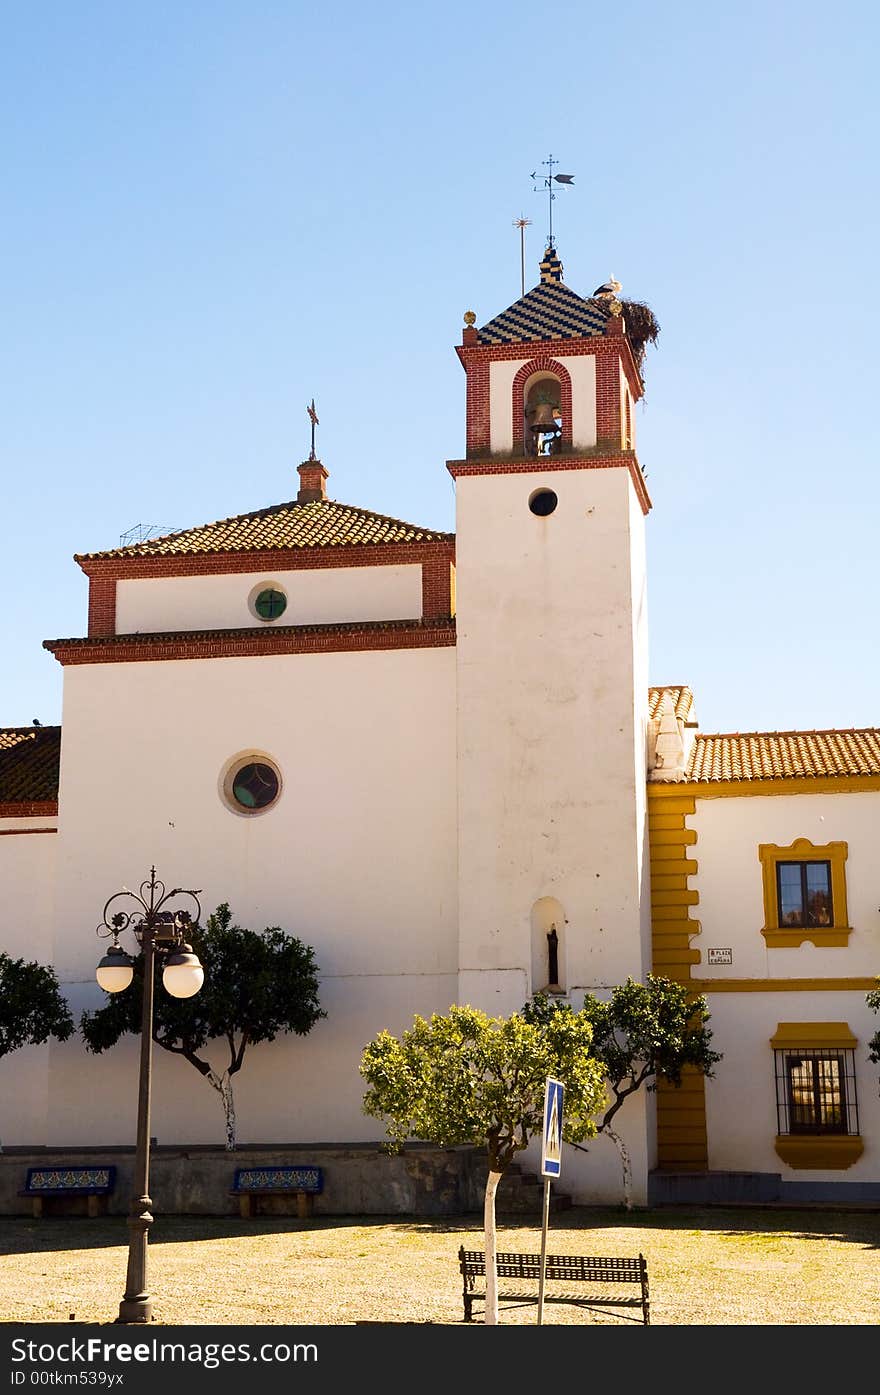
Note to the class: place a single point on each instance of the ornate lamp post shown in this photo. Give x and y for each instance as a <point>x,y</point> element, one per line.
<point>162,933</point>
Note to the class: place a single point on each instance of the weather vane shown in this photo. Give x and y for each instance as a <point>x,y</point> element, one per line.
<point>313,418</point>
<point>546,181</point>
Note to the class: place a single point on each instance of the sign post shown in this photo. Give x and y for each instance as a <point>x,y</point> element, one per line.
<point>551,1166</point>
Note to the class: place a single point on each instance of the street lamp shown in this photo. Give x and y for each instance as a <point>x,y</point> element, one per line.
<point>161,932</point>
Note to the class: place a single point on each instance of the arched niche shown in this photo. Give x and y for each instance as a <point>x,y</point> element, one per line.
<point>548,916</point>
<point>541,377</point>
<point>542,415</point>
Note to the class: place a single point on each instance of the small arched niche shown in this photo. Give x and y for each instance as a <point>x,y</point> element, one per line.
<point>548,946</point>
<point>542,415</point>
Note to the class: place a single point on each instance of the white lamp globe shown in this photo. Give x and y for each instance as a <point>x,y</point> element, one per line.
<point>115,971</point>
<point>183,974</point>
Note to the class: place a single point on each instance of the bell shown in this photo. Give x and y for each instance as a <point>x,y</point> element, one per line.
<point>544,418</point>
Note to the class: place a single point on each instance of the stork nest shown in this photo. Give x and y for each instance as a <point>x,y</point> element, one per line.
<point>641,328</point>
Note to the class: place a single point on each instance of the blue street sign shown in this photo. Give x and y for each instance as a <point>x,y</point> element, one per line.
<point>551,1151</point>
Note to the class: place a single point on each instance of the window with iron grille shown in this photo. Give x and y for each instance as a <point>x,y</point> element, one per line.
<point>816,1091</point>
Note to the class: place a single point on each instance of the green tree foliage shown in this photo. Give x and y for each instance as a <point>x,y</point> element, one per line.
<point>643,1032</point>
<point>873,1001</point>
<point>31,1006</point>
<point>465,1078</point>
<point>257,986</point>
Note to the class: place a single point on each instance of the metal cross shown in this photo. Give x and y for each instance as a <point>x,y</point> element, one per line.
<point>313,418</point>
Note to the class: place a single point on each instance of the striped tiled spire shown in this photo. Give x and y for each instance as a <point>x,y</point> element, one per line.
<point>551,266</point>
<point>550,310</point>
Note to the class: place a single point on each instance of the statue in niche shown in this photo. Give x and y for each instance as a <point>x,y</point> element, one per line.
<point>553,960</point>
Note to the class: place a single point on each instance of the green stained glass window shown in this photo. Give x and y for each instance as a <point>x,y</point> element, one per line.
<point>255,786</point>
<point>270,604</point>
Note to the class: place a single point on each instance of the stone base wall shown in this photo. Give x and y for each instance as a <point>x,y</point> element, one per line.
<point>359,1179</point>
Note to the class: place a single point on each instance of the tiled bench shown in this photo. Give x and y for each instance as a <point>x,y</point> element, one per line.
<point>250,1183</point>
<point>95,1183</point>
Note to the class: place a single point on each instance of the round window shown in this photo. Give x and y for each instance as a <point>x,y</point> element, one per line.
<point>542,502</point>
<point>269,604</point>
<point>254,786</point>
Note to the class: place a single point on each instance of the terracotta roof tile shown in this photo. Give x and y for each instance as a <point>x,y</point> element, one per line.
<point>322,523</point>
<point>682,701</point>
<point>29,759</point>
<point>784,755</point>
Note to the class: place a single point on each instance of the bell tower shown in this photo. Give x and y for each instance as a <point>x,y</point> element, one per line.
<point>555,373</point>
<point>551,650</point>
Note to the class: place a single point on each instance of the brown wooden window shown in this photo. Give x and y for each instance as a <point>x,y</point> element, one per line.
<point>803,891</point>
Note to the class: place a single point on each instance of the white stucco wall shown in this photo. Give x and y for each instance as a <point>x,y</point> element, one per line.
<point>729,880</point>
<point>27,865</point>
<point>314,597</point>
<point>550,756</point>
<point>741,1098</point>
<point>581,369</point>
<point>357,858</point>
<point>501,376</point>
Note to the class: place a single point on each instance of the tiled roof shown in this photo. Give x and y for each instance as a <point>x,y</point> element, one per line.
<point>29,758</point>
<point>551,310</point>
<point>783,755</point>
<point>322,523</point>
<point>682,701</point>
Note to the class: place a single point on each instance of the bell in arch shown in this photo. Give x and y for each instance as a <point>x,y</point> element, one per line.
<point>544,418</point>
<point>545,425</point>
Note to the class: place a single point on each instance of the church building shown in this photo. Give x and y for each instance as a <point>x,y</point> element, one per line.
<point>436,759</point>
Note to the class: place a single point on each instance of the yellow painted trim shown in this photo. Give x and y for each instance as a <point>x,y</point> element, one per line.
<point>819,1152</point>
<point>784,985</point>
<point>682,1140</point>
<point>664,820</point>
<point>679,913</point>
<point>673,801</point>
<point>791,936</point>
<point>674,896</point>
<point>826,938</point>
<point>745,789</point>
<point>679,836</point>
<point>669,881</point>
<point>813,1034</point>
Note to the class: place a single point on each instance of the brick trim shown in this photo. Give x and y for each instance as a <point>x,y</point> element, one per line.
<point>609,424</point>
<point>29,809</point>
<point>541,364</point>
<point>224,644</point>
<point>437,589</point>
<point>102,605</point>
<point>104,572</point>
<point>600,345</point>
<point>477,405</point>
<point>529,465</point>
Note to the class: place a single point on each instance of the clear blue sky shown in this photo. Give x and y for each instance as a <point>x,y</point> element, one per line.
<point>213,211</point>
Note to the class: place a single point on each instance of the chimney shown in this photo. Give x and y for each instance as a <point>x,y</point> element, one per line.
<point>311,482</point>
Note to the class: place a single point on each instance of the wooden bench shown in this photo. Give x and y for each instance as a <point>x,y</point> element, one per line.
<point>517,1273</point>
<point>95,1183</point>
<point>250,1183</point>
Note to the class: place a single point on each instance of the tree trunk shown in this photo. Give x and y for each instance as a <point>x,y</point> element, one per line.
<point>625,1164</point>
<point>492,1181</point>
<point>223,1085</point>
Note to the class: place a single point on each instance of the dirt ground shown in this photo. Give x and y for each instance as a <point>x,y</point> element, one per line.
<point>705,1266</point>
